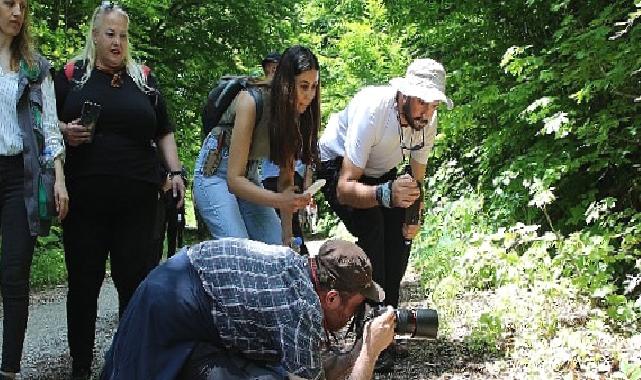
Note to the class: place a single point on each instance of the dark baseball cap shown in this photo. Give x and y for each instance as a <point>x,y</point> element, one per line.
<point>342,265</point>
<point>271,57</point>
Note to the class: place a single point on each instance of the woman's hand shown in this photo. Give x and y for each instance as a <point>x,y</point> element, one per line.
<point>178,188</point>
<point>61,197</point>
<point>75,133</point>
<point>291,201</point>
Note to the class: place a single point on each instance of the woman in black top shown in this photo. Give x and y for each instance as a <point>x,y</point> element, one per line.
<point>113,173</point>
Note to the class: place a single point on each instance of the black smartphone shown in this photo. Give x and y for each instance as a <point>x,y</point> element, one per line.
<point>89,116</point>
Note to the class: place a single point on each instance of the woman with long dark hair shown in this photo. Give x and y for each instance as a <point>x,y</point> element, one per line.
<point>31,156</point>
<point>227,188</point>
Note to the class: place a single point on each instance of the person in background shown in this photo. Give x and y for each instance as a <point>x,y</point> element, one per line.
<point>269,64</point>
<point>228,194</point>
<point>185,321</point>
<point>31,148</point>
<point>112,173</point>
<point>361,147</point>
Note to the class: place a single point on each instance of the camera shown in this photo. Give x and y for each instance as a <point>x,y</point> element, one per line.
<point>413,212</point>
<point>418,323</point>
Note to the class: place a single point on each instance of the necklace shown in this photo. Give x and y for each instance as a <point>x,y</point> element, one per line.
<point>117,75</point>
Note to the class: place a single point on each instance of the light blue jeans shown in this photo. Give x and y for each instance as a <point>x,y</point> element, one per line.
<point>224,213</point>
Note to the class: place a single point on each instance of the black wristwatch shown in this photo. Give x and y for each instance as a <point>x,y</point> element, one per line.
<point>175,173</point>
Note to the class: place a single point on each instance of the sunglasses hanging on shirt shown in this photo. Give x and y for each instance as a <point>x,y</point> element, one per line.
<point>407,112</point>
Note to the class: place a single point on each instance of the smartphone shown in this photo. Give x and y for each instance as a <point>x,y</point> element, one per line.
<point>314,187</point>
<point>89,116</point>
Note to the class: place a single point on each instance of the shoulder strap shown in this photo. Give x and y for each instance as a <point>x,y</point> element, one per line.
<point>70,67</point>
<point>257,95</point>
<point>145,71</point>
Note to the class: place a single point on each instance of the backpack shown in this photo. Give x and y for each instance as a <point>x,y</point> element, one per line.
<point>221,96</point>
<point>70,71</point>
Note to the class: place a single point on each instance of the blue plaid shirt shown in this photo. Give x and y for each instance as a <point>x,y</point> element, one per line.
<point>264,303</point>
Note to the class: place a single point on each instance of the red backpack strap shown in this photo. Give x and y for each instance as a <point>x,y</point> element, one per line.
<point>145,71</point>
<point>70,67</point>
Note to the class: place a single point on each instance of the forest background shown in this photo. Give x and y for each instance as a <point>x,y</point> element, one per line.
<point>534,185</point>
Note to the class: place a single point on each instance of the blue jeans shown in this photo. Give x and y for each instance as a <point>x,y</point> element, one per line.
<point>224,213</point>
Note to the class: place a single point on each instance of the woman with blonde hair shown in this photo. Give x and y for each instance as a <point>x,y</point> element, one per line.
<point>113,172</point>
<point>31,156</point>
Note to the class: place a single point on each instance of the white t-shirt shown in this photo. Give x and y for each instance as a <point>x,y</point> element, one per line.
<point>367,132</point>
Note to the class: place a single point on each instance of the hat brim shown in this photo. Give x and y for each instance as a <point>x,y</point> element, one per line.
<point>374,293</point>
<point>428,94</point>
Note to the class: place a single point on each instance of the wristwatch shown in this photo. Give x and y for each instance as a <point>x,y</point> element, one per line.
<point>384,194</point>
<point>174,173</point>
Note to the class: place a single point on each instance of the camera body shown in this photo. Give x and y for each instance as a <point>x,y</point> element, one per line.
<point>418,323</point>
<point>413,212</point>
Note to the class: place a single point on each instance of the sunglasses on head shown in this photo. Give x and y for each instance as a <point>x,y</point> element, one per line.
<point>109,5</point>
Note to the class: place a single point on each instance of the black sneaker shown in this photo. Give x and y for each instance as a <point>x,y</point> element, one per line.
<point>385,362</point>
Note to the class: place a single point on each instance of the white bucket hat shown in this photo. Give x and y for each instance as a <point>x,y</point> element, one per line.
<point>424,79</point>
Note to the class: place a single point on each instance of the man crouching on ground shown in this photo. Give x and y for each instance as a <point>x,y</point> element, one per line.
<point>239,309</point>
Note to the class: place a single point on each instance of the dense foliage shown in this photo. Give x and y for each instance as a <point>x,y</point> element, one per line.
<point>535,179</point>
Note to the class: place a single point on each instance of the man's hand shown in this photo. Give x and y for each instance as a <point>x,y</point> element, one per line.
<point>410,231</point>
<point>379,333</point>
<point>404,191</point>
<point>75,133</point>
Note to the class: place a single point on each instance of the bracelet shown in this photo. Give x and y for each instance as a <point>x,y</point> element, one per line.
<point>386,194</point>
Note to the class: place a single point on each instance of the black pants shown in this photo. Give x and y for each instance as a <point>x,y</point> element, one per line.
<point>107,216</point>
<point>212,362</point>
<point>15,263</point>
<point>271,183</point>
<point>378,230</point>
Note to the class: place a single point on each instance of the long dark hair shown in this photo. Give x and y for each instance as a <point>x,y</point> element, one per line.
<point>21,46</point>
<point>293,136</point>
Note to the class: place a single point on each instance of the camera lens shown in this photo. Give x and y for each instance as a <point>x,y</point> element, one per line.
<point>417,323</point>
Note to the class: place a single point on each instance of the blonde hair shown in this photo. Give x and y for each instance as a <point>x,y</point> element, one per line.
<point>88,54</point>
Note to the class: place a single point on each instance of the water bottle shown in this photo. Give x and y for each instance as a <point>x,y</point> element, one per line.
<point>295,244</point>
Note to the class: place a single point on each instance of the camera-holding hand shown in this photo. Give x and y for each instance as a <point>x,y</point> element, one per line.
<point>378,332</point>
<point>405,191</point>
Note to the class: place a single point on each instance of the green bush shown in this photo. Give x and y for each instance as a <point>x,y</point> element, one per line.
<point>48,267</point>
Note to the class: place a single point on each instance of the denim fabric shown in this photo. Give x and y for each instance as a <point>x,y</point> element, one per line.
<point>224,213</point>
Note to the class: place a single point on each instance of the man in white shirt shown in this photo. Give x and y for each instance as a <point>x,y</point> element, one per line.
<point>360,150</point>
